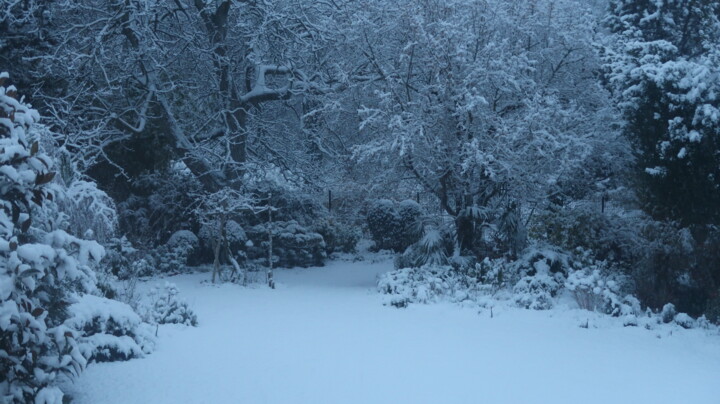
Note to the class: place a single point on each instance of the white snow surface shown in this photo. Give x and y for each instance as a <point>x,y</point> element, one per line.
<point>324,336</point>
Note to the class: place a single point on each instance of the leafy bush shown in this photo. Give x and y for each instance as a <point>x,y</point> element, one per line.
<point>394,226</point>
<point>536,292</point>
<point>110,330</point>
<point>39,270</point>
<point>173,256</point>
<point>426,284</point>
<point>166,308</point>
<point>431,249</point>
<point>541,273</point>
<point>609,237</point>
<point>88,211</point>
<point>338,236</point>
<point>595,291</point>
<point>293,245</point>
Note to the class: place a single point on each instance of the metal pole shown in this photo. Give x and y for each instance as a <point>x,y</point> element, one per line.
<point>270,280</point>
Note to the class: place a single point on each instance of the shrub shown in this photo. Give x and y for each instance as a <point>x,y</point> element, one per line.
<point>338,236</point>
<point>166,308</point>
<point>536,292</point>
<point>38,271</point>
<point>594,290</point>
<point>293,245</point>
<point>425,284</point>
<point>88,211</point>
<point>173,256</point>
<point>609,237</point>
<point>394,226</point>
<point>431,249</point>
<point>110,330</point>
<point>541,273</point>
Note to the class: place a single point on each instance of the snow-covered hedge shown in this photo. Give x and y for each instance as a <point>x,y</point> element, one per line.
<point>534,281</point>
<point>293,245</point>
<point>598,292</point>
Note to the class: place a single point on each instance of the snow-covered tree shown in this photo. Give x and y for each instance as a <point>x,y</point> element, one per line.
<point>491,106</point>
<point>663,64</point>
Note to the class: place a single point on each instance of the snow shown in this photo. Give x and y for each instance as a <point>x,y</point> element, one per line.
<point>324,336</point>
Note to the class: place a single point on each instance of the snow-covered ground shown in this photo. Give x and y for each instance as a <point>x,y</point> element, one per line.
<point>324,337</point>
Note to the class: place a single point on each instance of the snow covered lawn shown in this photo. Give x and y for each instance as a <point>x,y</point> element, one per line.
<point>324,337</point>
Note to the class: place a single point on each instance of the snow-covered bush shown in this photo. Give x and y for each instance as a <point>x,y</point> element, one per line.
<point>668,313</point>
<point>38,272</point>
<point>684,320</point>
<point>173,256</point>
<point>123,260</point>
<point>536,292</point>
<point>431,249</point>
<point>595,291</point>
<point>235,234</point>
<point>158,202</point>
<point>394,226</point>
<point>541,275</point>
<point>338,236</point>
<point>426,284</point>
<point>490,272</point>
<point>42,269</point>
<point>166,308</point>
<point>110,330</point>
<point>88,211</point>
<point>607,236</point>
<point>293,245</point>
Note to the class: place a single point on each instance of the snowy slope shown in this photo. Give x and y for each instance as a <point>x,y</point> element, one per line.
<point>324,337</point>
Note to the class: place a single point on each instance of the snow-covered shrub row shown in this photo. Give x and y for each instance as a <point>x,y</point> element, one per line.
<point>293,244</point>
<point>109,330</point>
<point>125,261</point>
<point>666,262</point>
<point>394,226</point>
<point>534,281</point>
<point>164,307</point>
<point>426,284</point>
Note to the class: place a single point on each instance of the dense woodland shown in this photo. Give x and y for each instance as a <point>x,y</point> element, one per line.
<point>530,146</point>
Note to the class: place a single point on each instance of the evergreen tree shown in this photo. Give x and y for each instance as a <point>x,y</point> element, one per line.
<point>662,64</point>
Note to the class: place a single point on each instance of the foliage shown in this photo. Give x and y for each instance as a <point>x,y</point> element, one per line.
<point>173,256</point>
<point>339,236</point>
<point>431,249</point>
<point>165,307</point>
<point>293,245</point>
<point>596,290</point>
<point>38,271</point>
<point>110,330</point>
<point>394,226</point>
<point>662,64</point>
<point>426,284</point>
